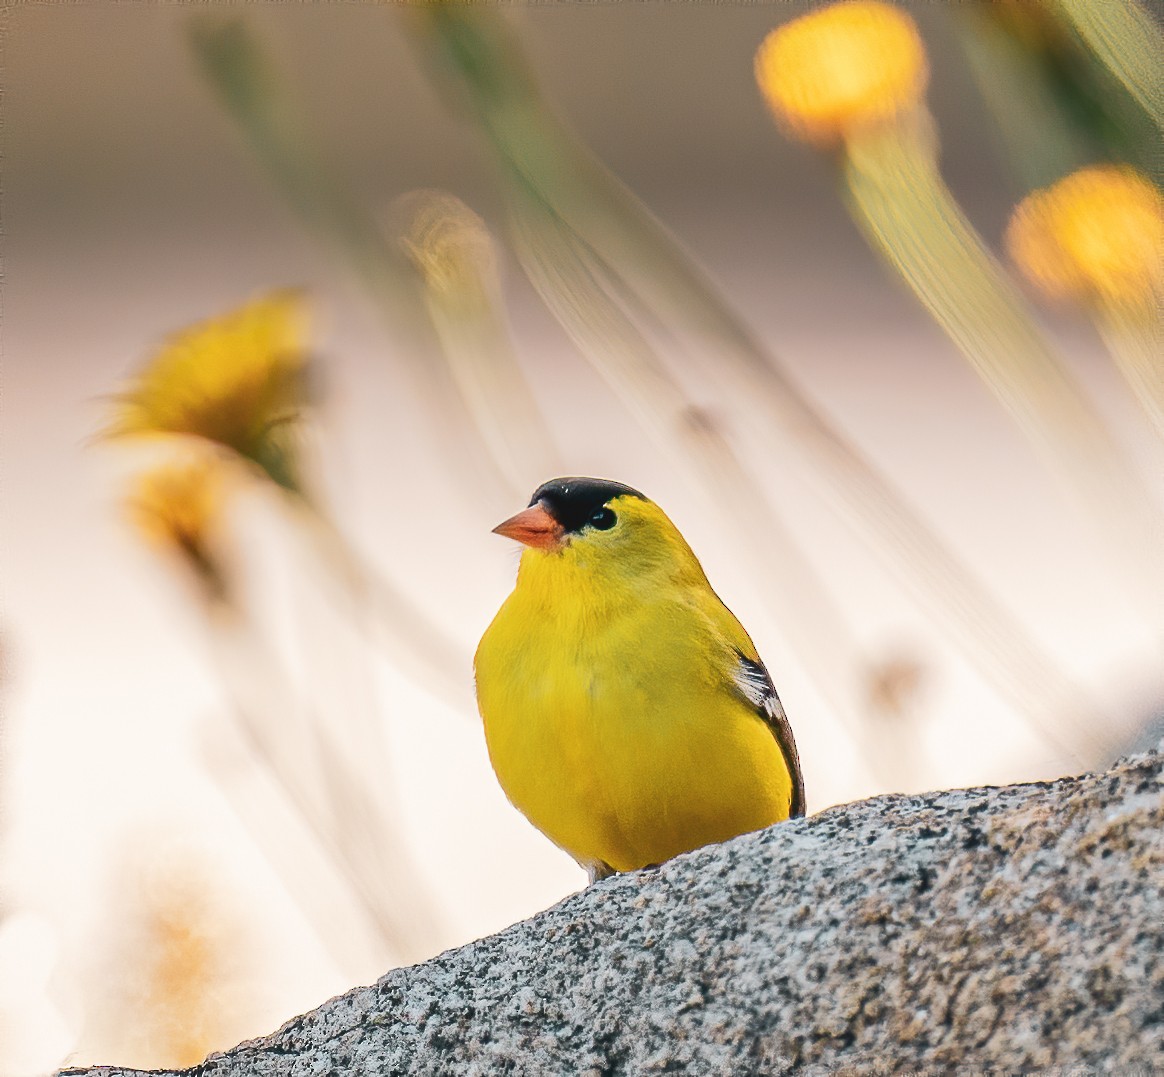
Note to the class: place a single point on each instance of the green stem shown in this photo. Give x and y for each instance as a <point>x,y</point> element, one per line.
<point>1128,42</point>
<point>470,47</point>
<point>589,300</point>
<point>899,199</point>
<point>251,92</point>
<point>419,648</point>
<point>462,291</point>
<point>343,808</point>
<point>1135,339</point>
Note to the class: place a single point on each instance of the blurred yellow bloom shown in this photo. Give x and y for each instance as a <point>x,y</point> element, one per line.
<point>175,975</point>
<point>1097,235</point>
<point>181,1001</point>
<point>843,67</point>
<point>177,506</point>
<point>451,247</point>
<point>238,380</point>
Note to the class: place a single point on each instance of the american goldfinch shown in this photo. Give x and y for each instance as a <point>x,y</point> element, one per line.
<point>627,713</point>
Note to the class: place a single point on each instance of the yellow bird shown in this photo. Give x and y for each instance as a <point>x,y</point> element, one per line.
<point>627,713</point>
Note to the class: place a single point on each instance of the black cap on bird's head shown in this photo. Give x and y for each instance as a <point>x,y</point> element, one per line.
<point>573,501</point>
<point>563,507</point>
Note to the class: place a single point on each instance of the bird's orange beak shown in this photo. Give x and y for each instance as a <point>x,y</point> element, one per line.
<point>534,527</point>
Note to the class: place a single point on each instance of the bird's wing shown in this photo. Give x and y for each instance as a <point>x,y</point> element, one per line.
<point>752,679</point>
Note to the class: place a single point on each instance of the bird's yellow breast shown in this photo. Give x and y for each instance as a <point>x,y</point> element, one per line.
<point>612,721</point>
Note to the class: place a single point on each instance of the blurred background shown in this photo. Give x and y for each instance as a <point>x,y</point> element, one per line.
<point>240,763</point>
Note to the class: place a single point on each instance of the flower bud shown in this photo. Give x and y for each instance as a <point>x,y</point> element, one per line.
<point>841,68</point>
<point>1097,235</point>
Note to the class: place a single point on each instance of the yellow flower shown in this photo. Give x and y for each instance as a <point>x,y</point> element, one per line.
<point>1096,235</point>
<point>451,248</point>
<point>831,72</point>
<point>176,953</point>
<point>177,506</point>
<point>238,380</point>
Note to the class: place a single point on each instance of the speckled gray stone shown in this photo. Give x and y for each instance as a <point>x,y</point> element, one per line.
<point>994,930</point>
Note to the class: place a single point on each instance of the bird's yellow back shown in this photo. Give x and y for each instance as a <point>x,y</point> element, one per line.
<point>608,685</point>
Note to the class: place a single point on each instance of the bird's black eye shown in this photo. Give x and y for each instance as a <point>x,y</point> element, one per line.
<point>603,519</point>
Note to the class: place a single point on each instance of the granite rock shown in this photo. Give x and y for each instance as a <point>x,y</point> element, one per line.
<point>1010,929</point>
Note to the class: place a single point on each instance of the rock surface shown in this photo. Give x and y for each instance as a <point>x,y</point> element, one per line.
<point>1009,929</point>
